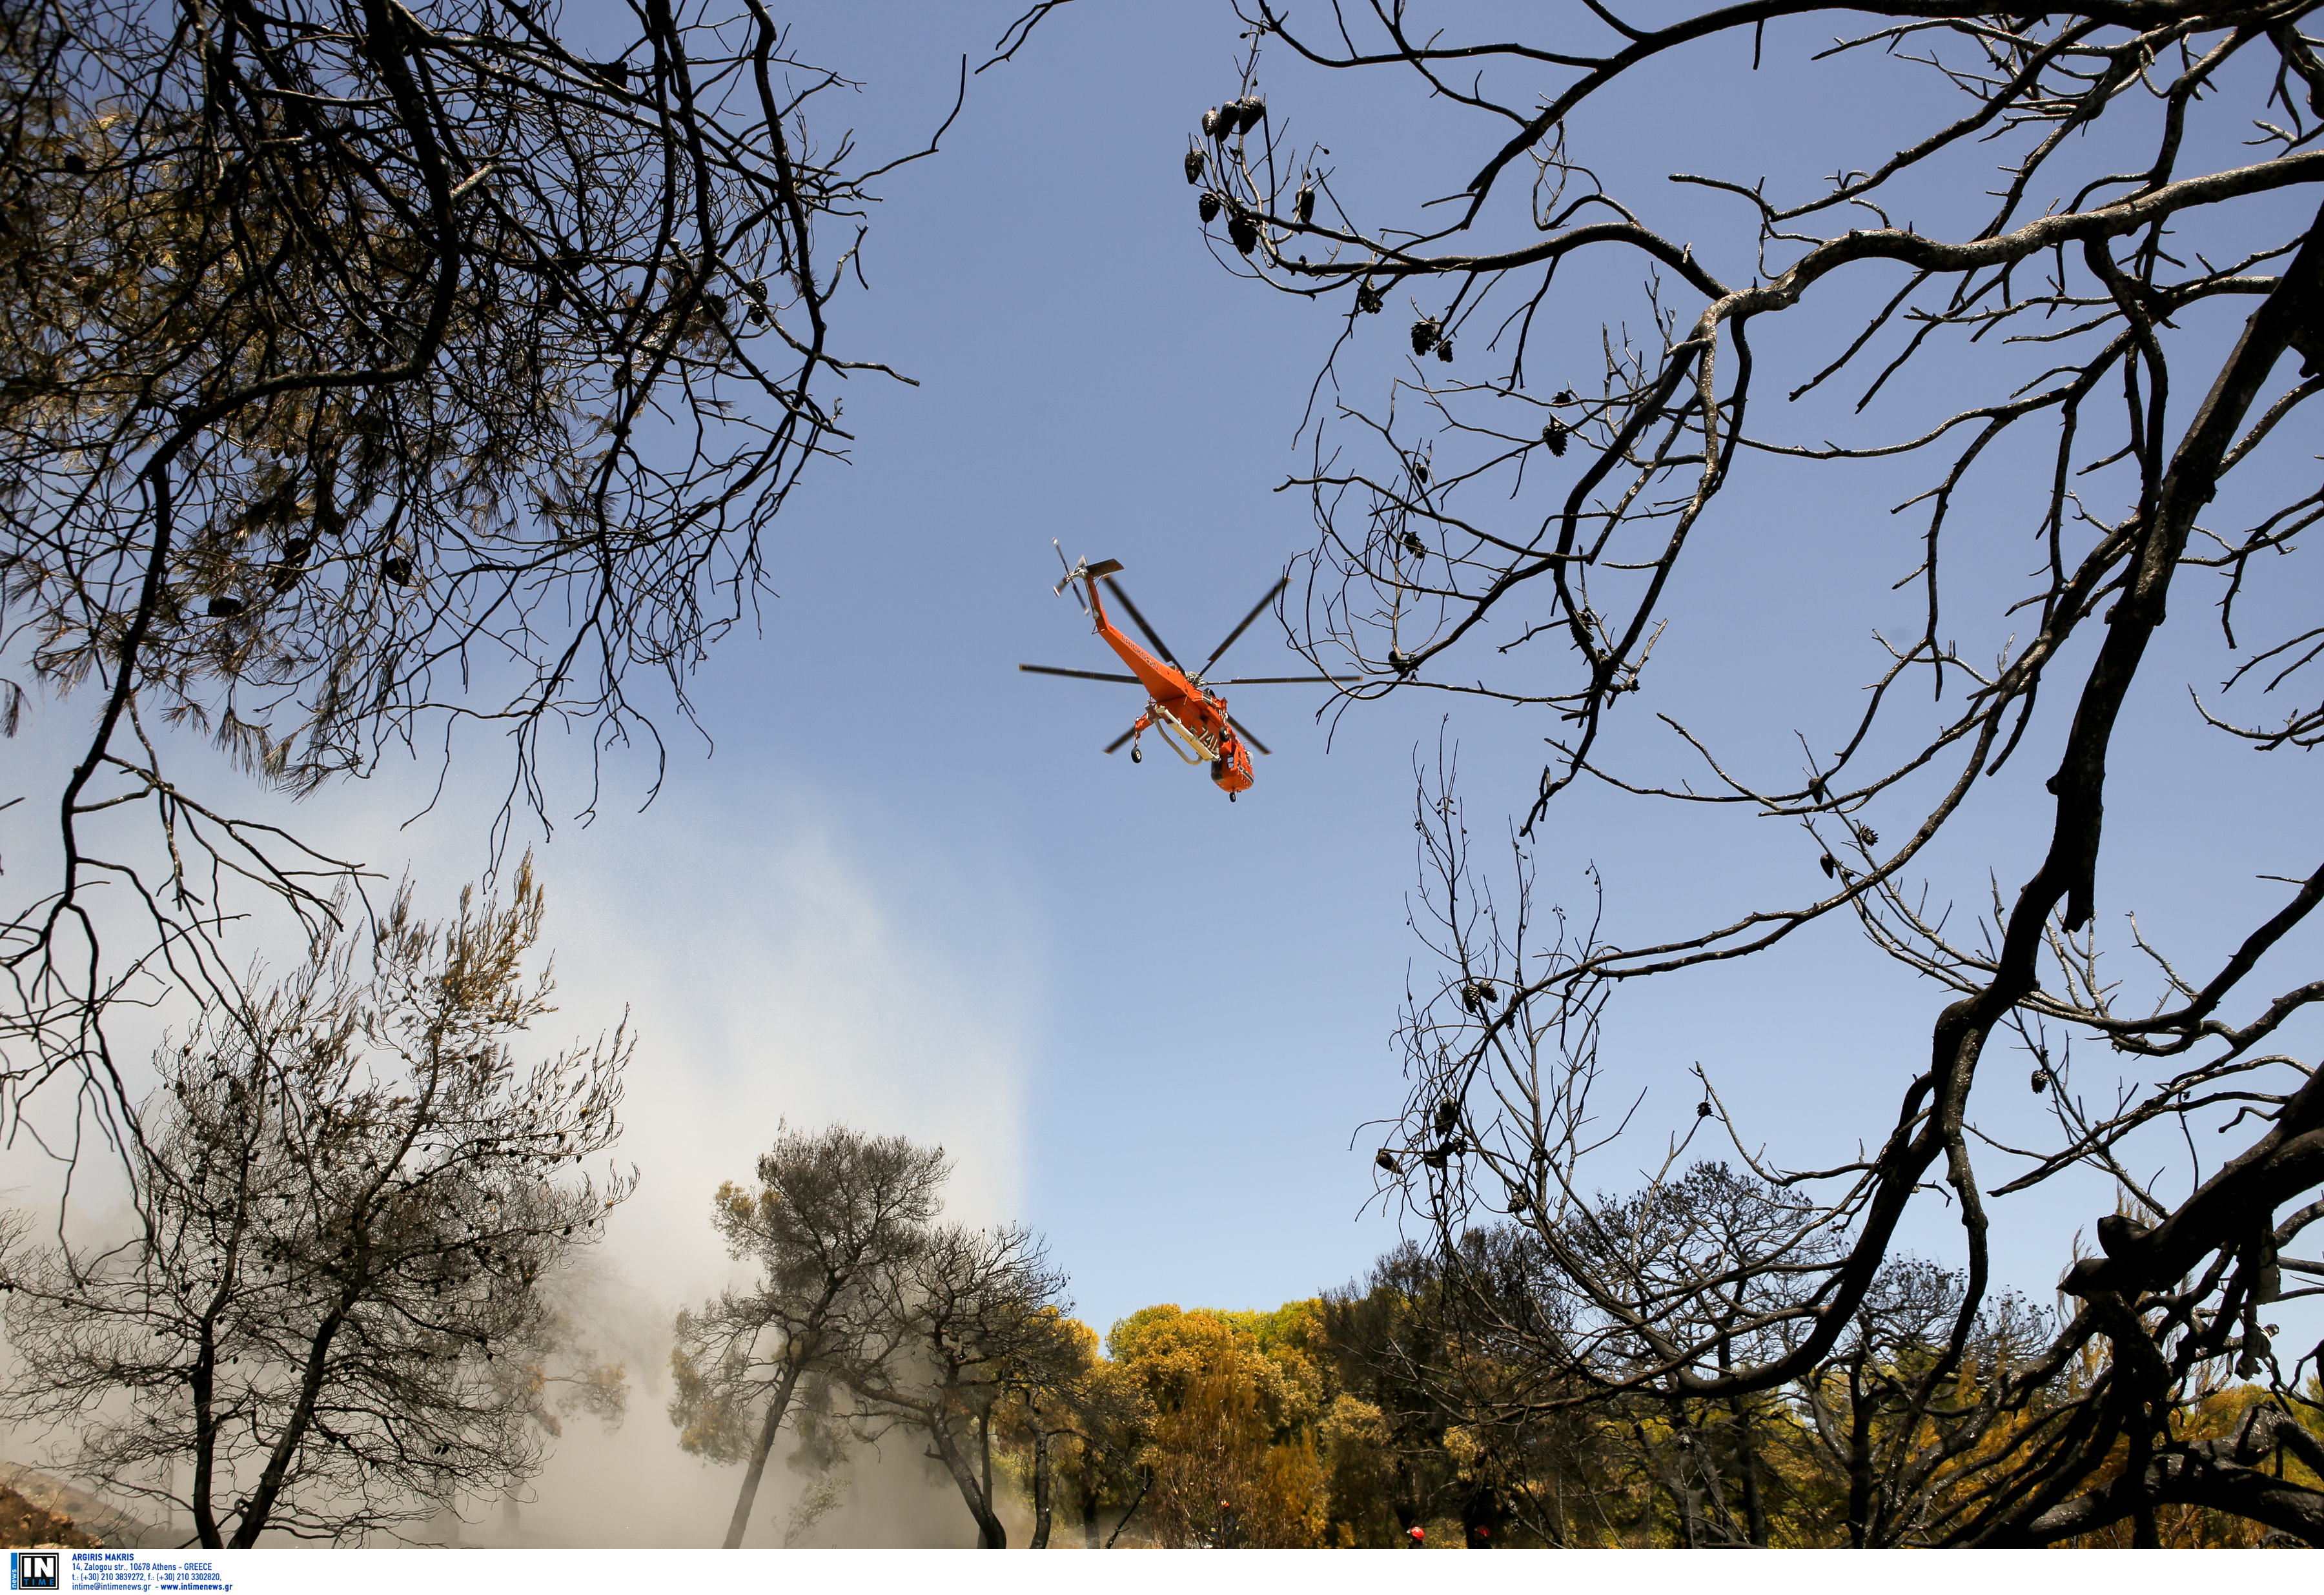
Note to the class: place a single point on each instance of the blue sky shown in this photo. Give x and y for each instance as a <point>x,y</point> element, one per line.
<point>1188,1004</point>
<point>905,888</point>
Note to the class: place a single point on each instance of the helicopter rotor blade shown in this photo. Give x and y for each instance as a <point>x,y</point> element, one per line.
<point>1115,746</point>
<point>1286,680</point>
<point>1256,611</point>
<point>1253,740</point>
<point>1084,675</point>
<point>1152,636</point>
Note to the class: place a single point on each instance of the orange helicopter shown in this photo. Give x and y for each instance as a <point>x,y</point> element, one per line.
<point>1182,710</point>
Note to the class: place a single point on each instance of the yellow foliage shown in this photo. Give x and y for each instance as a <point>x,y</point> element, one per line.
<point>1172,1351</point>
<point>708,1423</point>
<point>1233,1450</point>
<point>1352,1424</point>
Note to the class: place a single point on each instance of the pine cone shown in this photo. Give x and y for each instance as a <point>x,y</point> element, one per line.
<point>1249,114</point>
<point>1242,233</point>
<point>1195,160</point>
<point>2041,1081</point>
<point>225,608</point>
<point>1303,204</point>
<point>1209,207</point>
<point>1554,436</point>
<point>396,568</point>
<point>1424,334</point>
<point>1367,299</point>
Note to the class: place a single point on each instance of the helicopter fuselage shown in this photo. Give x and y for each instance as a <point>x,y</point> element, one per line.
<point>1179,703</point>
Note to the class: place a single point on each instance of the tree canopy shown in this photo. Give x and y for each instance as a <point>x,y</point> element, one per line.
<point>343,1310</point>
<point>2077,310</point>
<point>375,374</point>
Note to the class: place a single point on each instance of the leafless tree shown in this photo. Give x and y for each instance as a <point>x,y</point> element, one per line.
<point>972,1320</point>
<point>376,373</point>
<point>340,1316</point>
<point>1907,1446</point>
<point>2146,335</point>
<point>1707,1457</point>
<point>837,1216</point>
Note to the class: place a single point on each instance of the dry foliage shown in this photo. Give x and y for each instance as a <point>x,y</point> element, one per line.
<point>374,374</point>
<point>342,1312</point>
<point>2118,277</point>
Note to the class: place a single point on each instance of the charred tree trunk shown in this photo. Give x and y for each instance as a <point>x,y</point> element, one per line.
<point>1041,1486</point>
<point>797,1356</point>
<point>204,1382</point>
<point>1145,1483</point>
<point>984,1462</point>
<point>1746,1456</point>
<point>260,1506</point>
<point>766,1444</point>
<point>1859,1458</point>
<point>990,1534</point>
<point>1089,1491</point>
<point>1746,1460</point>
<point>1695,1448</point>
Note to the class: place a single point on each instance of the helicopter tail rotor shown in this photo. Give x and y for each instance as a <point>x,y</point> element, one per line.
<point>1071,575</point>
<point>1081,571</point>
